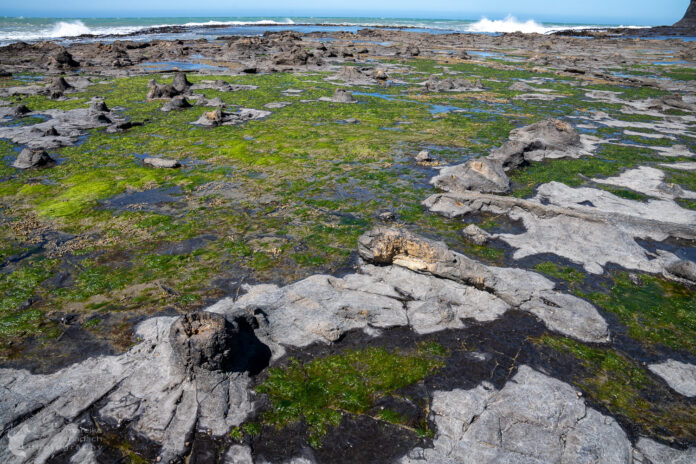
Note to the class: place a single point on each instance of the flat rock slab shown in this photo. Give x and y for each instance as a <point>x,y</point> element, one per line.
<point>649,181</point>
<point>681,377</point>
<point>533,419</point>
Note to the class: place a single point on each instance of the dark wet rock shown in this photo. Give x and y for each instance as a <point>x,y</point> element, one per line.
<point>100,118</point>
<point>98,106</point>
<point>58,87</point>
<point>180,82</point>
<point>546,139</point>
<point>32,159</point>
<point>354,76</point>
<point>122,126</point>
<point>204,340</point>
<point>45,132</point>
<point>433,84</point>
<point>162,163</point>
<point>480,175</point>
<point>4,74</point>
<point>689,19</point>
<point>297,56</point>
<point>683,269</point>
<point>177,103</point>
<point>19,111</point>
<point>160,91</point>
<point>62,60</point>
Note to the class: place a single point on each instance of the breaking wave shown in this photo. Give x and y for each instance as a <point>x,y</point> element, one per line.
<point>512,24</point>
<point>77,28</point>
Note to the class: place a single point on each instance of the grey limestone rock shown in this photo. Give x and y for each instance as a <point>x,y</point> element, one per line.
<point>162,163</point>
<point>681,377</point>
<point>32,159</point>
<point>479,175</point>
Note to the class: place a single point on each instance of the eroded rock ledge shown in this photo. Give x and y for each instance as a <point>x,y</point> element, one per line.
<point>193,373</point>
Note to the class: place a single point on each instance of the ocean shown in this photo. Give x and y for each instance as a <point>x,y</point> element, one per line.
<point>66,30</point>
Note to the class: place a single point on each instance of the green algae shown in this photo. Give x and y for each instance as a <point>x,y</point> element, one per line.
<point>298,188</point>
<point>564,273</point>
<point>627,390</point>
<point>656,311</point>
<point>609,160</point>
<point>320,391</point>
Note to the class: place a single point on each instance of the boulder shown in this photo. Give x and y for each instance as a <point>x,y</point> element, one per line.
<point>203,340</point>
<point>177,103</point>
<point>380,74</point>
<point>343,96</point>
<point>158,91</point>
<point>162,163</point>
<point>98,106</point>
<point>410,50</point>
<point>480,175</point>
<point>476,235</point>
<point>180,82</point>
<point>683,269</point>
<point>433,84</point>
<point>58,87</point>
<point>62,60</point>
<point>546,139</point>
<point>20,111</point>
<point>32,159</point>
<point>424,156</point>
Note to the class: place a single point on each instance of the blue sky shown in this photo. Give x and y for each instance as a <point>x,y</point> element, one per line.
<point>610,11</point>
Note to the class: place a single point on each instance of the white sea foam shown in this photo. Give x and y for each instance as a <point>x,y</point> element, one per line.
<point>512,24</point>
<point>64,29</point>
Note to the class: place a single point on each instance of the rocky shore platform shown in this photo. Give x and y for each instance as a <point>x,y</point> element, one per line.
<point>380,247</point>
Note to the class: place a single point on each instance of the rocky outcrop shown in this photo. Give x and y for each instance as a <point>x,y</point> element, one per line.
<point>32,159</point>
<point>218,117</point>
<point>433,84</point>
<point>180,83</point>
<point>62,60</point>
<point>177,103</point>
<point>533,419</point>
<point>479,175</point>
<point>548,139</point>
<point>340,96</point>
<point>352,75</point>
<point>58,87</point>
<point>61,127</point>
<point>689,19</point>
<point>161,163</point>
<point>588,226</point>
